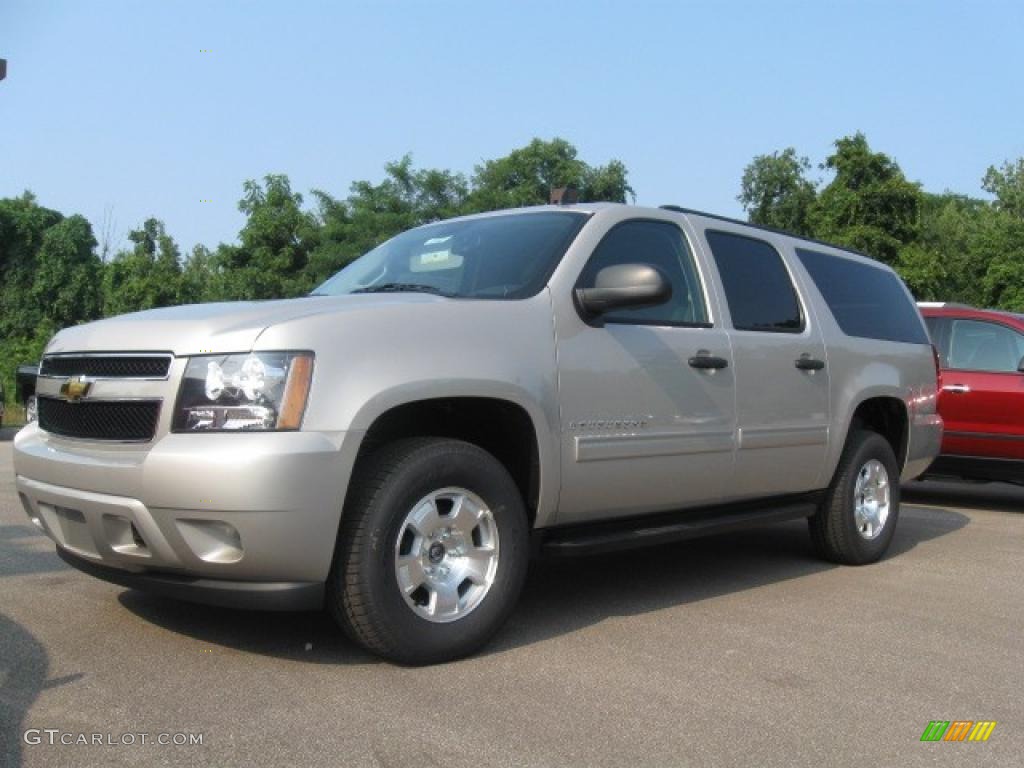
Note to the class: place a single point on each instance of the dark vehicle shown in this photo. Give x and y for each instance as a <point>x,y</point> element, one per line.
<point>981,395</point>
<point>25,380</point>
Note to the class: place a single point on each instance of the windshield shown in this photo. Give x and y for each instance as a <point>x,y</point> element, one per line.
<point>496,257</point>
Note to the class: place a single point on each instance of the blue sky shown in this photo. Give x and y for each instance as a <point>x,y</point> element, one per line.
<point>112,106</point>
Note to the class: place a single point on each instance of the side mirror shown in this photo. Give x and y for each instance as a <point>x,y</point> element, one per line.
<point>624,285</point>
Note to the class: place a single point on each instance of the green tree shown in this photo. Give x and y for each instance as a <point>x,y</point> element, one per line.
<point>1000,240</point>
<point>275,244</point>
<point>999,244</point>
<point>1007,185</point>
<point>34,299</point>
<point>943,263</point>
<point>869,204</point>
<point>202,277</point>
<point>526,176</point>
<point>68,274</point>
<point>147,276</point>
<point>372,213</point>
<point>23,226</point>
<point>775,191</point>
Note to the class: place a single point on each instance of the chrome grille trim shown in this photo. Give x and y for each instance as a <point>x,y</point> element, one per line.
<point>102,366</point>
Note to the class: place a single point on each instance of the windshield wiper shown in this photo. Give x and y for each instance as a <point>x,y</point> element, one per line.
<point>400,288</point>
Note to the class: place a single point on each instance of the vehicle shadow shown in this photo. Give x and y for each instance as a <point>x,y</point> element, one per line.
<point>997,497</point>
<point>24,665</point>
<point>308,636</point>
<point>561,596</point>
<point>564,596</point>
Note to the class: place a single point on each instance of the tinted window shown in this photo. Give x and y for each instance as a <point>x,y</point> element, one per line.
<point>975,345</point>
<point>661,245</point>
<point>494,257</point>
<point>938,331</point>
<point>865,300</point>
<point>757,286</point>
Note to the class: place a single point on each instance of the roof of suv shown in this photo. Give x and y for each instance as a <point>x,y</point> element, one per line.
<point>595,207</point>
<point>949,309</point>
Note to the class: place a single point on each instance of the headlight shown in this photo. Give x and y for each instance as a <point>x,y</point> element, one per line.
<point>256,391</point>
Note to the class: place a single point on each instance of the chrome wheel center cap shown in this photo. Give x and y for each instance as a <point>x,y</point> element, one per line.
<point>436,552</point>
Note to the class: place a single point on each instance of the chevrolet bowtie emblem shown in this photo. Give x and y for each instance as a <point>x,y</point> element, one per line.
<point>75,388</point>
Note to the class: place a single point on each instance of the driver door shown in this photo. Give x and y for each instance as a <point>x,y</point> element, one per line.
<point>643,429</point>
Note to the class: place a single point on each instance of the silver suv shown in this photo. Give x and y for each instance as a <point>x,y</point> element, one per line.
<point>563,379</point>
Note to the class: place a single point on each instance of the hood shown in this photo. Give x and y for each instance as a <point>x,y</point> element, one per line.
<point>212,328</point>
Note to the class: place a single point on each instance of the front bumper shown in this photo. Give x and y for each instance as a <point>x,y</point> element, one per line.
<point>267,596</point>
<point>233,519</point>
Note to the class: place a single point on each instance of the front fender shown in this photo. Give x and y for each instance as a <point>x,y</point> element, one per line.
<point>544,422</point>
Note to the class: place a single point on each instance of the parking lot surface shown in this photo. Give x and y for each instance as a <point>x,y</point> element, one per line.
<point>736,650</point>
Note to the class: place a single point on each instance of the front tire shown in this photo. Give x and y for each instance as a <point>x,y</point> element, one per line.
<point>856,522</point>
<point>432,552</point>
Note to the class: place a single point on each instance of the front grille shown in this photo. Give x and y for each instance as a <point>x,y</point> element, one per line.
<point>112,367</point>
<point>126,420</point>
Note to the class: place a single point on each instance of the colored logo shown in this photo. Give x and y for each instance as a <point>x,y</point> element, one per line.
<point>958,730</point>
<point>75,388</point>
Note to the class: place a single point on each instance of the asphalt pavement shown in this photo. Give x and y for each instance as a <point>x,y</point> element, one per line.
<point>736,650</point>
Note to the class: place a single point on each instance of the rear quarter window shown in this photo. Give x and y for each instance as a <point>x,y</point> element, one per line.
<point>866,301</point>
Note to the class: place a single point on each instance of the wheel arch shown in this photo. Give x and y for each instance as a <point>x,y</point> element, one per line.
<point>502,421</point>
<point>887,415</point>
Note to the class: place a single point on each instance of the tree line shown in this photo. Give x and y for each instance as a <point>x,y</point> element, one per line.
<point>53,273</point>
<point>947,246</point>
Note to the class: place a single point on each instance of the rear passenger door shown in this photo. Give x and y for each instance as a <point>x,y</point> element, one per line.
<point>782,380</point>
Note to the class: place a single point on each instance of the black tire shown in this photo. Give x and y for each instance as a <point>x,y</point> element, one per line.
<point>833,528</point>
<point>363,591</point>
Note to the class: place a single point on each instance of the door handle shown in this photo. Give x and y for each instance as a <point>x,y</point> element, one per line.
<point>957,389</point>
<point>808,363</point>
<point>704,361</point>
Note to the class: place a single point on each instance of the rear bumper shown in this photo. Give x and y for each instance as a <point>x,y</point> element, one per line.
<point>270,596</point>
<point>925,441</point>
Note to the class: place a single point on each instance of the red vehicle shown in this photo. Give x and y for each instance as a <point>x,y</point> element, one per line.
<point>981,394</point>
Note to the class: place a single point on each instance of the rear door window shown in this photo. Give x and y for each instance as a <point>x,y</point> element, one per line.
<point>757,285</point>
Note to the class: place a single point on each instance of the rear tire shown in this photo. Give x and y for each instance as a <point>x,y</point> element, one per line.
<point>856,522</point>
<point>432,552</point>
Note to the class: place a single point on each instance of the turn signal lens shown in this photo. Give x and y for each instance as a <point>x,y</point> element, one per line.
<point>296,391</point>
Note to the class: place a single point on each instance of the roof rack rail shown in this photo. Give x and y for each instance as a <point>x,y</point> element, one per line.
<point>943,304</point>
<point>773,230</point>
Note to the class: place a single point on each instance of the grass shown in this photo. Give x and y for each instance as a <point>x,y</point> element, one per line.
<point>14,415</point>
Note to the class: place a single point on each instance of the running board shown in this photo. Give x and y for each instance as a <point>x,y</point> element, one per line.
<point>594,538</point>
